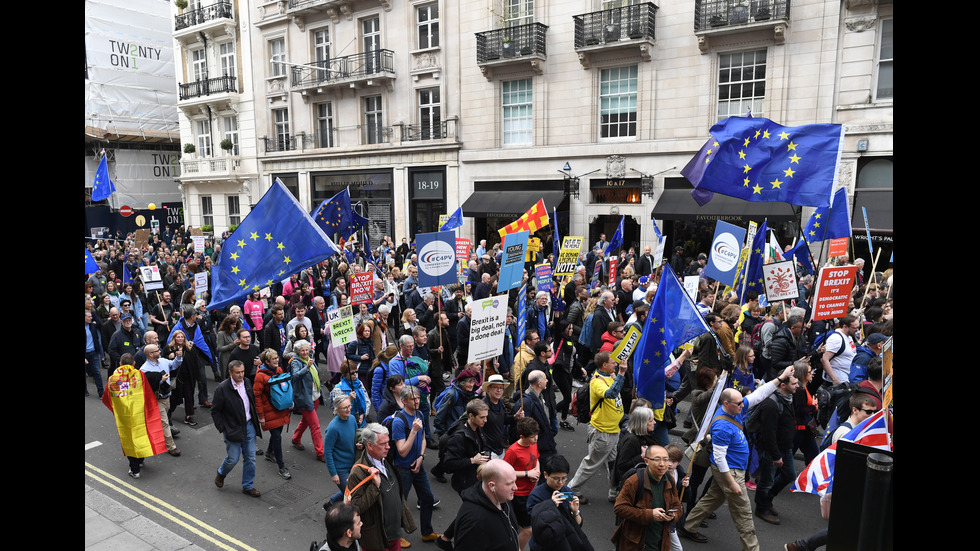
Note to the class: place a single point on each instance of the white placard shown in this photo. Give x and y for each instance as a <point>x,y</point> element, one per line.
<point>487,328</point>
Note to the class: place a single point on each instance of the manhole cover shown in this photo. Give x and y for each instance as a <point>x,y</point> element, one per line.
<point>287,494</point>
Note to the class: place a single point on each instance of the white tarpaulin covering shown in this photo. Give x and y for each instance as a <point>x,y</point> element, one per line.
<point>130,86</point>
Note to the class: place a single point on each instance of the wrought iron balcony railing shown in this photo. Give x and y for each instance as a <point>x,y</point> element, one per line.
<point>622,23</point>
<point>709,14</point>
<point>344,68</point>
<point>417,132</point>
<point>208,86</point>
<point>511,42</point>
<point>287,143</point>
<point>218,10</point>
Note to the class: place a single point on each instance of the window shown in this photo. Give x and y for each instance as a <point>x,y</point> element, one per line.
<point>617,102</point>
<point>373,119</point>
<point>371,44</point>
<point>428,25</point>
<point>231,132</point>
<point>280,119</point>
<point>234,214</point>
<point>517,112</point>
<point>207,213</point>
<point>204,138</point>
<point>277,55</point>
<point>321,53</point>
<point>226,53</point>
<point>430,117</point>
<point>885,89</point>
<point>324,124</point>
<point>518,12</point>
<point>199,65</point>
<point>741,84</point>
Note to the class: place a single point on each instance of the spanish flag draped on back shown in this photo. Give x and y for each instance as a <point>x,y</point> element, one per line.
<point>532,220</point>
<point>134,405</point>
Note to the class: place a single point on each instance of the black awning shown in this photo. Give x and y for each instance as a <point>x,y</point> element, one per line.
<point>880,206</point>
<point>677,204</point>
<point>508,204</point>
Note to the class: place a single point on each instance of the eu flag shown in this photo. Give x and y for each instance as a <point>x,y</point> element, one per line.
<point>357,222</point>
<point>802,254</point>
<point>753,268</point>
<point>454,221</point>
<point>617,238</point>
<point>758,160</point>
<point>276,239</point>
<point>672,321</point>
<point>90,265</point>
<point>334,214</point>
<point>103,187</point>
<point>829,222</point>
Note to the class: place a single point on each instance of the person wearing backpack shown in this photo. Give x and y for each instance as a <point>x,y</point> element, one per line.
<point>647,504</point>
<point>450,406</point>
<point>270,418</point>
<point>729,461</point>
<point>774,444</point>
<point>379,373</point>
<point>306,397</point>
<point>836,361</point>
<point>408,447</point>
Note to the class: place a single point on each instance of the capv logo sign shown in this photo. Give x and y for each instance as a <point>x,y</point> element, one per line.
<point>725,251</point>
<point>437,258</point>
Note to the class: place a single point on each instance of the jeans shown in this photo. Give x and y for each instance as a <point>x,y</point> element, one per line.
<point>772,479</point>
<point>275,445</point>
<point>202,385</point>
<point>92,368</point>
<point>420,481</point>
<point>342,475</point>
<point>244,450</point>
<point>813,541</point>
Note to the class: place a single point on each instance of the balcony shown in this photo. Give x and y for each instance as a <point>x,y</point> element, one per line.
<point>511,47</point>
<point>219,92</point>
<point>421,132</point>
<point>298,10</point>
<point>713,18</point>
<point>372,68</point>
<point>215,21</point>
<point>279,144</point>
<point>216,169</point>
<point>629,28</point>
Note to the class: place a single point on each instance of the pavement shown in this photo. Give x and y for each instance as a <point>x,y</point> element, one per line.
<point>111,526</point>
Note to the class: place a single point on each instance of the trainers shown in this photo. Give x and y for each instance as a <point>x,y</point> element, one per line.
<point>174,431</point>
<point>219,480</point>
<point>406,543</point>
<point>750,485</point>
<point>134,475</point>
<point>768,517</point>
<point>269,457</point>
<point>567,426</point>
<point>299,446</point>
<point>283,472</point>
<point>431,537</point>
<point>259,452</point>
<point>434,505</point>
<point>693,536</point>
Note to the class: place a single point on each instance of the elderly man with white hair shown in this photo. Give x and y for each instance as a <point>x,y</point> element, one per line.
<point>538,316</point>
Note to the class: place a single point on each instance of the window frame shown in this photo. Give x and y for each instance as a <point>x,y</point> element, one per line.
<point>373,119</point>
<point>511,126</point>
<point>231,133</point>
<point>631,96</point>
<point>756,103</point>
<point>234,210</point>
<point>430,129</point>
<point>320,119</point>
<point>888,62</point>
<point>428,29</point>
<point>207,211</point>
<point>227,60</point>
<point>281,138</point>
<point>277,67</point>
<point>203,129</point>
<point>199,65</point>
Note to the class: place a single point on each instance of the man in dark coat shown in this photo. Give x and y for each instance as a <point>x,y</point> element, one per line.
<point>236,418</point>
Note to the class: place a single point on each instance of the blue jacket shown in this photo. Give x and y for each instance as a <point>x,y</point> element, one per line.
<point>378,380</point>
<point>859,364</point>
<point>534,409</point>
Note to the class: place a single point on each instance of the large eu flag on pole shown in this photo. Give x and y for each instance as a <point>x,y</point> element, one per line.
<point>617,238</point>
<point>276,239</point>
<point>672,321</point>
<point>752,274</point>
<point>103,187</point>
<point>829,222</point>
<point>758,160</point>
<point>334,214</point>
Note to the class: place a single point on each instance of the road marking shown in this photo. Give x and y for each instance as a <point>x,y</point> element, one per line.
<point>93,444</point>
<point>164,509</point>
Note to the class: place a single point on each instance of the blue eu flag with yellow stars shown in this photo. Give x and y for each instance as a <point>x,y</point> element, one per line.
<point>276,239</point>
<point>334,214</point>
<point>752,273</point>
<point>672,321</point>
<point>829,222</point>
<point>90,265</point>
<point>758,160</point>
<point>103,187</point>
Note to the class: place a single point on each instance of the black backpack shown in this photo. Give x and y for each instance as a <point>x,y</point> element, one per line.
<point>581,405</point>
<point>638,468</point>
<point>829,400</point>
<point>455,427</point>
<point>387,423</point>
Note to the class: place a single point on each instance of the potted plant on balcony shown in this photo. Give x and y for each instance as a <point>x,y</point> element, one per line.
<point>189,149</point>
<point>739,13</point>
<point>507,47</point>
<point>181,5</point>
<point>227,145</point>
<point>761,11</point>
<point>611,32</point>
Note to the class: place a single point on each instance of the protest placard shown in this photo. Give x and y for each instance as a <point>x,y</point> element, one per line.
<point>571,247</point>
<point>342,327</point>
<point>625,349</point>
<point>833,292</point>
<point>780,280</point>
<point>487,328</point>
<point>543,273</point>
<point>361,288</point>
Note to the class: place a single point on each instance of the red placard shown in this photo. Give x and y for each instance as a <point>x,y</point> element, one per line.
<point>838,246</point>
<point>612,271</point>
<point>463,250</point>
<point>361,286</point>
<point>833,292</point>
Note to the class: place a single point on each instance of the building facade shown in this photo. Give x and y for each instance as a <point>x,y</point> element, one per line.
<point>419,107</point>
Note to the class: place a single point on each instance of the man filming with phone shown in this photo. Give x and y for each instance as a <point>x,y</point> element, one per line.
<point>648,504</point>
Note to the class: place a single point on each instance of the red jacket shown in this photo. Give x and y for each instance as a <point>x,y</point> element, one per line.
<point>608,342</point>
<point>269,417</point>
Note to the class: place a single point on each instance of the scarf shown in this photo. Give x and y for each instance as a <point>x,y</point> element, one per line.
<point>313,373</point>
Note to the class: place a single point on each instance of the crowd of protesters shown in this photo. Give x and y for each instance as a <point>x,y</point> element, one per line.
<point>402,388</point>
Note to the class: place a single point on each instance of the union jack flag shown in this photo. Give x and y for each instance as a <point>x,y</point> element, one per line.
<point>818,476</point>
